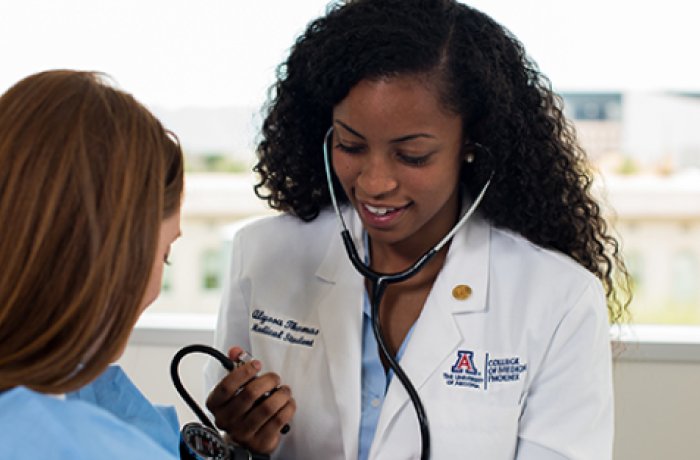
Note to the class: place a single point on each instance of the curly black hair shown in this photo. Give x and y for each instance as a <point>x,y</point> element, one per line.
<point>541,187</point>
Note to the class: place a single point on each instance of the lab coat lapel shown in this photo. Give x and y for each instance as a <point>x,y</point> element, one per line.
<point>436,334</point>
<point>340,317</point>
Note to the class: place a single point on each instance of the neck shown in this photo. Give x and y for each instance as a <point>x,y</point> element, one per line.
<point>395,257</point>
<point>391,259</point>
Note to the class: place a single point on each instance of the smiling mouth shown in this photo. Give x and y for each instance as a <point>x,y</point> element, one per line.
<point>379,211</point>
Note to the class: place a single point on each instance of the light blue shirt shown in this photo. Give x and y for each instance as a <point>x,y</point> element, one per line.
<point>107,419</point>
<point>374,380</point>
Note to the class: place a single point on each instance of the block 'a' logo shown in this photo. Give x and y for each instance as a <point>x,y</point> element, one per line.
<point>464,363</point>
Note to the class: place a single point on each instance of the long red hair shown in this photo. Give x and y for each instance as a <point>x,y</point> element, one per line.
<point>87,174</point>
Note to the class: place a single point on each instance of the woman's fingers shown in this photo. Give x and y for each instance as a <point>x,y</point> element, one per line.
<point>230,384</point>
<point>261,427</point>
<point>252,408</point>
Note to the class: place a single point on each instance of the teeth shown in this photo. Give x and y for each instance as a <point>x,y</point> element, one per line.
<point>379,211</point>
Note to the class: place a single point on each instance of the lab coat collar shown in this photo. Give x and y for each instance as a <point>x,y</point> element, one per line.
<point>340,317</point>
<point>467,263</point>
<point>335,264</point>
<point>436,334</point>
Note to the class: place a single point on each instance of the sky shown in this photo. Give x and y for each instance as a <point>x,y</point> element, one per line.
<point>215,53</point>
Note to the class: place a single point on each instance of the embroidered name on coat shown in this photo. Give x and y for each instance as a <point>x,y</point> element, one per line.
<point>287,330</point>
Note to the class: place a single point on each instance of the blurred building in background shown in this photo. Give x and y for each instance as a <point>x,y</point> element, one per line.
<point>633,132</point>
<point>645,146</point>
<point>658,218</point>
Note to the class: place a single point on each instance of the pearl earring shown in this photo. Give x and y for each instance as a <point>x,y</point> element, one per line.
<point>469,157</point>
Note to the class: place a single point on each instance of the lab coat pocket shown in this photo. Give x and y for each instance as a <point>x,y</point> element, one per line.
<point>467,425</point>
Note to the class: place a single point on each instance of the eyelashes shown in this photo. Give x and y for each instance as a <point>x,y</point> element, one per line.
<point>349,149</point>
<point>413,160</point>
<point>410,160</point>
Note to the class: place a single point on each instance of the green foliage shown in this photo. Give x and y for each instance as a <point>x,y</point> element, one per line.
<point>627,167</point>
<point>668,313</point>
<point>215,162</point>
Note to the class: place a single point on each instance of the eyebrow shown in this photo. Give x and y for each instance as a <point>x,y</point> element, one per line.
<point>405,138</point>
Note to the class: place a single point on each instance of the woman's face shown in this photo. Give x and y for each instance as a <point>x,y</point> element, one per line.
<point>397,153</point>
<point>169,232</point>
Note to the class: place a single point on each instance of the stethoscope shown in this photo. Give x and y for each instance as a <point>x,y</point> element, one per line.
<point>202,441</point>
<point>379,282</point>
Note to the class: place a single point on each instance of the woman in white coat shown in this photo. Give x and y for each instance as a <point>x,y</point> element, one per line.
<point>503,334</point>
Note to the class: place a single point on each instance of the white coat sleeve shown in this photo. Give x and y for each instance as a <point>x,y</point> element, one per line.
<point>568,411</point>
<point>232,323</point>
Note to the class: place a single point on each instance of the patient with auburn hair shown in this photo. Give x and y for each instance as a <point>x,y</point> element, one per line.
<point>90,193</point>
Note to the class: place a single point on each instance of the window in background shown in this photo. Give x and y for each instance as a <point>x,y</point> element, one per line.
<point>167,285</point>
<point>685,274</point>
<point>636,265</point>
<point>212,269</point>
<point>204,68</point>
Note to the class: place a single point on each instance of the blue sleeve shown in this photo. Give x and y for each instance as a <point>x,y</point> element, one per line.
<point>114,392</point>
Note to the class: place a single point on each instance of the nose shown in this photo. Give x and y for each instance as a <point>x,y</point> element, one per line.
<point>377,177</point>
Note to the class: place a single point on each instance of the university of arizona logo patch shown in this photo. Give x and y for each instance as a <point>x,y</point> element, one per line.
<point>463,373</point>
<point>464,363</point>
<point>482,371</point>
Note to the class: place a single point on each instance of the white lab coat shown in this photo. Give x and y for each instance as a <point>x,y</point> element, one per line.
<point>519,370</point>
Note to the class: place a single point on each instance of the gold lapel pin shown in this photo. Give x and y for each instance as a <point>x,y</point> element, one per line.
<point>461,292</point>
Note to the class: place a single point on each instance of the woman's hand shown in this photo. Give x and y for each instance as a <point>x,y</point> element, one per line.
<point>241,408</point>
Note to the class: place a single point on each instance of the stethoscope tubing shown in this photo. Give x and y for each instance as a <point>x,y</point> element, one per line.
<point>379,282</point>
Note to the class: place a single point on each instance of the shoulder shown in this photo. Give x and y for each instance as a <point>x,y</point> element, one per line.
<point>67,429</point>
<point>278,244</point>
<point>284,232</point>
<point>542,293</point>
<point>116,394</point>
<point>510,248</point>
<point>542,279</point>
<point>285,222</point>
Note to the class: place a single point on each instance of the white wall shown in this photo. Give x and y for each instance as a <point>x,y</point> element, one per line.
<point>657,410</point>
